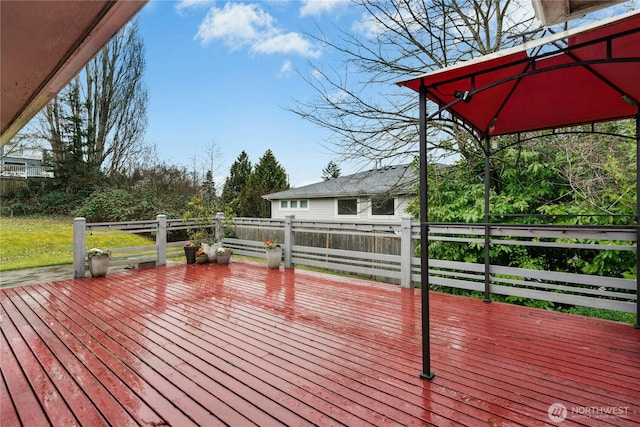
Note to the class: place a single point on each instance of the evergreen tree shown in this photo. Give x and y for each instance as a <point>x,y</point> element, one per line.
<point>209,190</point>
<point>234,189</point>
<point>76,170</point>
<point>331,171</point>
<point>268,177</point>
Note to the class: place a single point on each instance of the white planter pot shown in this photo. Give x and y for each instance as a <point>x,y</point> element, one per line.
<point>273,257</point>
<point>98,265</point>
<point>210,250</point>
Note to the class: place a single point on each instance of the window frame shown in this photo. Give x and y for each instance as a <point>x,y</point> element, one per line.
<point>347,215</point>
<point>376,200</point>
<point>288,205</point>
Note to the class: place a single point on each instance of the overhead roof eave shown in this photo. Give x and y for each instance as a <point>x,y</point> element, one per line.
<point>45,44</point>
<point>551,12</point>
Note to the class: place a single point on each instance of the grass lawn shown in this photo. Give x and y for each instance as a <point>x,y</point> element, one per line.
<point>44,241</point>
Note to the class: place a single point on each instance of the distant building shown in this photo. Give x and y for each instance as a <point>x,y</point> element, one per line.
<point>20,162</point>
<point>374,195</point>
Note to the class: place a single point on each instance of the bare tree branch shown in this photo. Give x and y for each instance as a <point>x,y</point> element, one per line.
<point>371,120</point>
<point>107,103</point>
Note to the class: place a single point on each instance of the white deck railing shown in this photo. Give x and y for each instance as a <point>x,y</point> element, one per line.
<point>386,252</point>
<point>25,171</point>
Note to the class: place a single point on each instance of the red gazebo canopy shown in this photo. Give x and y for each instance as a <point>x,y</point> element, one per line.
<point>579,76</point>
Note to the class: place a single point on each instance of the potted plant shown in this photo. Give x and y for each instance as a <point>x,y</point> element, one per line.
<point>223,255</point>
<point>198,216</point>
<point>201,256</point>
<point>211,250</point>
<point>190,249</point>
<point>274,253</point>
<point>98,261</point>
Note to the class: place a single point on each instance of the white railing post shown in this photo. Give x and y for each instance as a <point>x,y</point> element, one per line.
<point>220,227</point>
<point>79,246</point>
<point>406,251</point>
<point>288,240</point>
<point>161,240</point>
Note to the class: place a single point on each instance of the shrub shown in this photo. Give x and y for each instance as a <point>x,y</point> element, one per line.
<point>113,205</point>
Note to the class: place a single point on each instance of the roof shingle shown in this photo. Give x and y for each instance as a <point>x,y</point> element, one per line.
<point>393,180</point>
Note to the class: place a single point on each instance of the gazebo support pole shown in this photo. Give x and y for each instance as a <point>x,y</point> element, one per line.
<point>637,219</point>
<point>424,237</point>
<point>487,230</point>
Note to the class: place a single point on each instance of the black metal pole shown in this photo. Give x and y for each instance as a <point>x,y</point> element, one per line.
<point>637,219</point>
<point>487,192</point>
<point>424,237</point>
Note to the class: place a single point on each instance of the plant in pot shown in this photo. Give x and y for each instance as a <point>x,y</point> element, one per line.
<point>223,255</point>
<point>98,261</point>
<point>211,250</point>
<point>201,256</point>
<point>190,249</point>
<point>198,220</point>
<point>274,253</point>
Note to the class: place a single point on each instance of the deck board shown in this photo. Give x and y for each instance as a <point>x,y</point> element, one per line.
<point>244,345</point>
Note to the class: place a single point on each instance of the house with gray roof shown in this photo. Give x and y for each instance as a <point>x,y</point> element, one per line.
<point>373,195</point>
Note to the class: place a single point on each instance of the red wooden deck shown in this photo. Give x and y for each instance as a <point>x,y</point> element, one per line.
<point>240,345</point>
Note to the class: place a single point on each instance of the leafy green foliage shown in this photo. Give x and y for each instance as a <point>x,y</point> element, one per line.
<point>331,171</point>
<point>203,212</point>
<point>562,179</point>
<point>116,205</point>
<point>209,189</point>
<point>143,194</point>
<point>534,178</point>
<point>268,176</point>
<point>245,186</point>
<point>602,314</point>
<point>75,168</point>
<point>38,197</point>
<point>234,190</point>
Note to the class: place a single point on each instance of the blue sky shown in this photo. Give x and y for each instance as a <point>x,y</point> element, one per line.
<point>222,73</point>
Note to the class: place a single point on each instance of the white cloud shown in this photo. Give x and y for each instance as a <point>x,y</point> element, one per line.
<point>369,27</point>
<point>237,24</point>
<point>182,5</point>
<point>318,7</point>
<point>286,69</point>
<point>339,96</point>
<point>285,43</point>
<point>247,24</point>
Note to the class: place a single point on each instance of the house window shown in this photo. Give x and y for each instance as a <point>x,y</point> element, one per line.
<point>294,204</point>
<point>382,206</point>
<point>347,206</point>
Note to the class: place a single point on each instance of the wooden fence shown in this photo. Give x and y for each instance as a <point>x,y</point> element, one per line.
<point>386,252</point>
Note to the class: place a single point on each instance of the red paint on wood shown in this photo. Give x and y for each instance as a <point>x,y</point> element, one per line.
<point>244,344</point>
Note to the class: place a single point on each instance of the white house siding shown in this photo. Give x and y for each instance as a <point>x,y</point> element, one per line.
<point>326,209</point>
<point>317,209</point>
